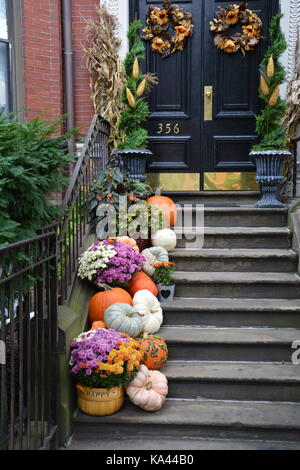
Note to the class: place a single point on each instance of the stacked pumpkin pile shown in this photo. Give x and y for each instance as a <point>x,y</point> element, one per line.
<point>128,305</point>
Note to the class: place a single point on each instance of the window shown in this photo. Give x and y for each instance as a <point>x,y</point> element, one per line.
<point>5,98</point>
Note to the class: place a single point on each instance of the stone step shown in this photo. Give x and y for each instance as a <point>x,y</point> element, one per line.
<point>237,237</point>
<point>239,260</point>
<point>202,418</point>
<point>233,381</point>
<point>237,285</point>
<point>214,197</point>
<point>230,344</point>
<point>239,216</point>
<point>222,312</point>
<point>101,442</point>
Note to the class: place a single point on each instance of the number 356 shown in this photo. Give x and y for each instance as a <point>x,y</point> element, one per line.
<point>168,128</point>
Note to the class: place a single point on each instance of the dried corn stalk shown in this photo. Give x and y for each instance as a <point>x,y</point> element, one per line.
<point>292,118</point>
<point>106,70</point>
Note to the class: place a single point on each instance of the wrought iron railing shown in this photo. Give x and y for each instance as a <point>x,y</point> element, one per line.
<point>28,333</point>
<point>36,276</point>
<point>72,227</point>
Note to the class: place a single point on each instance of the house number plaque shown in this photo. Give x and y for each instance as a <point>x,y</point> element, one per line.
<point>168,128</point>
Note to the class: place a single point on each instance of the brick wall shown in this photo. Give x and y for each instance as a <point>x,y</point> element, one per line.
<point>42,57</point>
<point>43,60</point>
<point>84,110</point>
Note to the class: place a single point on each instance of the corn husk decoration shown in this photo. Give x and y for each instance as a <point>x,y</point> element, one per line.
<point>271,68</point>
<point>141,88</point>
<point>264,86</point>
<point>136,69</point>
<point>274,97</point>
<point>130,98</point>
<point>106,70</point>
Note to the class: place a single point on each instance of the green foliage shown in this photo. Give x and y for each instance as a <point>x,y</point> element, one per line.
<point>133,136</point>
<point>163,274</point>
<point>138,139</point>
<point>31,164</point>
<point>113,183</point>
<point>269,121</point>
<point>136,46</point>
<point>110,381</point>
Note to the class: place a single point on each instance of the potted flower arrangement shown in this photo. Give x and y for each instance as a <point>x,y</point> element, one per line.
<point>133,147</point>
<point>163,277</point>
<point>272,151</point>
<point>106,199</point>
<point>113,263</point>
<point>103,362</point>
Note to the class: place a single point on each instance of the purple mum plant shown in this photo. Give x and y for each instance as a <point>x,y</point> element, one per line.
<point>112,263</point>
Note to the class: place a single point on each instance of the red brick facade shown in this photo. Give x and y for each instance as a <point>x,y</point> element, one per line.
<point>84,110</point>
<point>43,59</point>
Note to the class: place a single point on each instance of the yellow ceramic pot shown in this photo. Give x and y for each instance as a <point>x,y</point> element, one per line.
<point>99,401</point>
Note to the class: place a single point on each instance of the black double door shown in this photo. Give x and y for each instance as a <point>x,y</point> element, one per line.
<point>203,110</point>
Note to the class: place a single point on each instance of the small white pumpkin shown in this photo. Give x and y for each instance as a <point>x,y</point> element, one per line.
<point>147,305</point>
<point>155,254</point>
<point>148,389</point>
<point>165,238</point>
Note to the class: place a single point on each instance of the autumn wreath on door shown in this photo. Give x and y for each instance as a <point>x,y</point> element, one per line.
<point>226,19</point>
<point>167,28</point>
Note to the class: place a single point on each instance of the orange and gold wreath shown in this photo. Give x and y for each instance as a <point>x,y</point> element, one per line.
<point>167,28</point>
<point>244,41</point>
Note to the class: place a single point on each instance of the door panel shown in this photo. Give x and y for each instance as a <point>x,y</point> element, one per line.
<point>182,141</point>
<point>228,137</point>
<point>175,123</point>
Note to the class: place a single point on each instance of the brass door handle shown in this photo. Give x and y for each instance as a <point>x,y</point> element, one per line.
<point>208,103</point>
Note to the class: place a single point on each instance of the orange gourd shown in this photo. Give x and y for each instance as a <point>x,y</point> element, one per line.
<point>140,282</point>
<point>154,350</point>
<point>98,324</point>
<point>127,241</point>
<point>102,300</point>
<point>168,207</point>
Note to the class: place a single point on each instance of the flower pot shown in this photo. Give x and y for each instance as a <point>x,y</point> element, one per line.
<point>99,401</point>
<point>166,293</point>
<point>269,168</point>
<point>133,161</point>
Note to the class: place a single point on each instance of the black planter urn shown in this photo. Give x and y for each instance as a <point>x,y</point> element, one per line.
<point>133,161</point>
<point>269,169</point>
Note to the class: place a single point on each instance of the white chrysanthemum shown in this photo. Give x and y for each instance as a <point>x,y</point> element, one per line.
<point>93,259</point>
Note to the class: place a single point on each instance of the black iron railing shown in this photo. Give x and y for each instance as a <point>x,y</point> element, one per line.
<point>29,343</point>
<point>36,276</point>
<point>72,228</point>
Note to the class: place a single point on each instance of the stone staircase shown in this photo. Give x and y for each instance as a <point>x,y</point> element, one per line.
<point>229,333</point>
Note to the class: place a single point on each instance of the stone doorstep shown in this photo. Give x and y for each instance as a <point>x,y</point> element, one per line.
<point>230,336</point>
<point>221,372</point>
<point>209,413</point>
<point>232,305</point>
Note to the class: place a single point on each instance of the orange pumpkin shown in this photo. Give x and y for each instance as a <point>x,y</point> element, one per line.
<point>168,207</point>
<point>154,350</point>
<point>127,241</point>
<point>98,324</point>
<point>141,281</point>
<point>102,300</point>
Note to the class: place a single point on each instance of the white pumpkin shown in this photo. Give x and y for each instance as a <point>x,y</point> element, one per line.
<point>155,254</point>
<point>147,305</point>
<point>148,389</point>
<point>166,238</point>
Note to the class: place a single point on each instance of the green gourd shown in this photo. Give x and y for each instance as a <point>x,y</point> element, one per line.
<point>123,318</point>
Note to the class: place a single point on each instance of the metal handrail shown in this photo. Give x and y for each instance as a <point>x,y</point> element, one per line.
<point>72,227</point>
